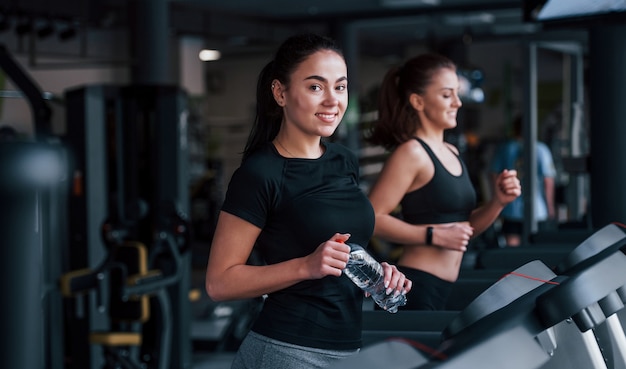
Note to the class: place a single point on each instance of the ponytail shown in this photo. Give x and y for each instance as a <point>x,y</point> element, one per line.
<point>268,113</point>
<point>396,118</point>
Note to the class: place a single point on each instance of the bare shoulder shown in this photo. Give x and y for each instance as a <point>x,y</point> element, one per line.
<point>411,148</point>
<point>410,154</point>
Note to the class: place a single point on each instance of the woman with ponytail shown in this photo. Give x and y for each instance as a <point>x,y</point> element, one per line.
<point>425,177</point>
<point>295,199</point>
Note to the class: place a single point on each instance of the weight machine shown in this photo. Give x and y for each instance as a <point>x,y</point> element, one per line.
<point>127,288</point>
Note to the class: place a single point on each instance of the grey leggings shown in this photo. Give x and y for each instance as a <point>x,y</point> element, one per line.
<point>260,352</point>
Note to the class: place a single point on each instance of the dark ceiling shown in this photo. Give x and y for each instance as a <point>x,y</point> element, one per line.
<point>382,26</point>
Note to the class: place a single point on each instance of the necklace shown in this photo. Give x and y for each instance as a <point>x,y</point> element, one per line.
<point>289,152</point>
<point>284,148</point>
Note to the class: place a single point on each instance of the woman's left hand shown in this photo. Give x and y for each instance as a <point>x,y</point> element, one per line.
<point>395,281</point>
<point>507,187</point>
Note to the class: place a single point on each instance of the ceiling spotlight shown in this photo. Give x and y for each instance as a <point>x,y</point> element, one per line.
<point>209,55</point>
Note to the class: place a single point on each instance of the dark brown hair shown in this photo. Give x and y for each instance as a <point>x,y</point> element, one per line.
<point>289,55</point>
<point>397,120</point>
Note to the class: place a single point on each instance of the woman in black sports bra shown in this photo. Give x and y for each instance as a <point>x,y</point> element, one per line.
<point>424,175</point>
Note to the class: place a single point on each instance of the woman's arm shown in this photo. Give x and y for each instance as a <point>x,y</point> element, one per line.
<point>228,277</point>
<point>394,181</point>
<point>404,172</point>
<point>506,189</point>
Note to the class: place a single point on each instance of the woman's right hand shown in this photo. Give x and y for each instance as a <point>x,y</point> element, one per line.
<point>330,257</point>
<point>452,236</point>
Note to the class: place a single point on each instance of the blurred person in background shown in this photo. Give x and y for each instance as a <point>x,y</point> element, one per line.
<point>510,155</point>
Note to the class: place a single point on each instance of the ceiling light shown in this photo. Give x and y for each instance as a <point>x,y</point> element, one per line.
<point>209,55</point>
<point>555,9</point>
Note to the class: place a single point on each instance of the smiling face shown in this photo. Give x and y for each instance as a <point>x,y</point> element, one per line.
<point>317,96</point>
<point>440,102</point>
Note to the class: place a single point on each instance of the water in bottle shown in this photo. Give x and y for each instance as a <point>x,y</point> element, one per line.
<point>367,273</point>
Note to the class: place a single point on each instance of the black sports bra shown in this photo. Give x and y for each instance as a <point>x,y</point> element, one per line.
<point>445,198</point>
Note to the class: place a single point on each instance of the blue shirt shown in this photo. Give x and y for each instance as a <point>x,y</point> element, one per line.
<point>510,156</point>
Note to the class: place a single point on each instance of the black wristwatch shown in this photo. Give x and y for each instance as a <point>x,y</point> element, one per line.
<point>429,235</point>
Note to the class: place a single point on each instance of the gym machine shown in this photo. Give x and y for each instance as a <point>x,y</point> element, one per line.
<point>32,213</point>
<point>127,287</point>
<point>534,317</point>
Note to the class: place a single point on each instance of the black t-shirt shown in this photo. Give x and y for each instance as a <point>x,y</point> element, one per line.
<point>298,204</point>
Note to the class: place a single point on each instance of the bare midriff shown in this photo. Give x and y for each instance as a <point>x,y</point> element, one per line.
<point>440,262</point>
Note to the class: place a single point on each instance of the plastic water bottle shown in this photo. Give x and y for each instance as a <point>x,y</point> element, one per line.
<point>367,273</point>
